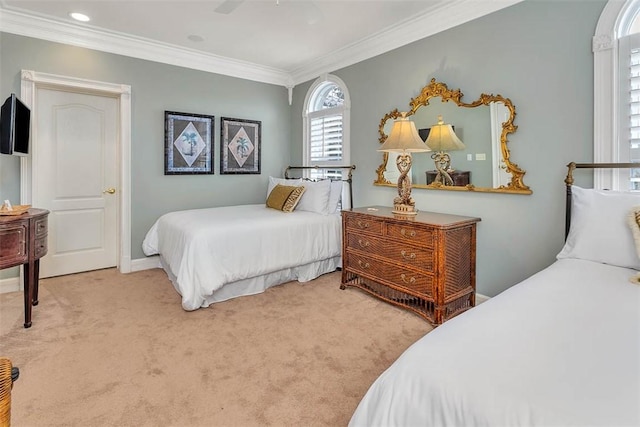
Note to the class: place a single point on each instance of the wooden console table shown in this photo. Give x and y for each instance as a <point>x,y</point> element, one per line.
<point>23,241</point>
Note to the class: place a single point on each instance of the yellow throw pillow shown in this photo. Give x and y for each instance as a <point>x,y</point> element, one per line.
<point>284,197</point>
<point>634,222</point>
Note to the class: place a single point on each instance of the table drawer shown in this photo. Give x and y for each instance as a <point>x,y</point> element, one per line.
<point>418,235</point>
<point>41,227</point>
<point>13,244</point>
<point>40,247</point>
<point>365,224</point>
<point>400,276</point>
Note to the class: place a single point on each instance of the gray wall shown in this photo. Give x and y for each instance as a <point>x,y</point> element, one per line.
<point>155,88</point>
<point>538,54</point>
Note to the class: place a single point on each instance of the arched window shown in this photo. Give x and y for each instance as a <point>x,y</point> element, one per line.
<point>616,47</point>
<point>326,125</point>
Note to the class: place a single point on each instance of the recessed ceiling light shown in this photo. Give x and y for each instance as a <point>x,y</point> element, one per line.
<point>79,17</point>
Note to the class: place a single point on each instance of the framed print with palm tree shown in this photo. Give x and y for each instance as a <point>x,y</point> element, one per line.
<point>239,146</point>
<point>188,143</point>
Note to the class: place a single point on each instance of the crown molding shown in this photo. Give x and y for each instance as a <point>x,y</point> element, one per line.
<point>442,16</point>
<point>123,44</point>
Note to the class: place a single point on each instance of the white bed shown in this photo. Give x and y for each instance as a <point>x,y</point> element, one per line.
<point>561,348</point>
<point>215,254</point>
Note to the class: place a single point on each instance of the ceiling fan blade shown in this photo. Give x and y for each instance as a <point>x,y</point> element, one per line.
<point>228,6</point>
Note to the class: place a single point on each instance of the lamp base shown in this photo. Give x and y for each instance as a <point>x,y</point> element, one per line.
<point>402,209</point>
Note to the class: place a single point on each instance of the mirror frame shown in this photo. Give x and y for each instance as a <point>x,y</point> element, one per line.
<point>438,89</point>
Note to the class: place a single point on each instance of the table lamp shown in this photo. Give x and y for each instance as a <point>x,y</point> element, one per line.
<point>404,139</point>
<point>442,138</point>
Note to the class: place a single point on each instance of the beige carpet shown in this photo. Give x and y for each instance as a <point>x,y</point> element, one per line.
<point>107,349</point>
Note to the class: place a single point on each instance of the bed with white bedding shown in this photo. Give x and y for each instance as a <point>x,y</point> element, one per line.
<point>561,348</point>
<point>215,254</point>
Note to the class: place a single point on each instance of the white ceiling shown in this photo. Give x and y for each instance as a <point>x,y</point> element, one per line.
<point>275,41</point>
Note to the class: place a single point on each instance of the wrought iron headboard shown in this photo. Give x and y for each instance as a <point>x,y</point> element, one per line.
<point>569,182</point>
<point>348,168</point>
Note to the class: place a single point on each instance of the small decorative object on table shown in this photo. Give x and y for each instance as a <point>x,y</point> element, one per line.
<point>8,209</point>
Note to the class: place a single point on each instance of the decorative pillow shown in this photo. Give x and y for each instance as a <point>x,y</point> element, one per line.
<point>633,219</point>
<point>316,197</point>
<point>599,230</point>
<point>284,198</point>
<point>273,181</point>
<point>335,195</point>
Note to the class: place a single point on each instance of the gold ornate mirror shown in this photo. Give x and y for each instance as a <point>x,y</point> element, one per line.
<point>483,162</point>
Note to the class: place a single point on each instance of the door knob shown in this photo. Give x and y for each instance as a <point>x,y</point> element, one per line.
<point>109,191</point>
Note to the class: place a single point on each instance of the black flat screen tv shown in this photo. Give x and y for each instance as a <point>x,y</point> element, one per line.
<point>15,123</point>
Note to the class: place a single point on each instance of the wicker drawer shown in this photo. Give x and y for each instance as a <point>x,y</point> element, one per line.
<point>366,243</point>
<point>400,276</point>
<point>422,236</point>
<point>365,224</point>
<point>410,255</point>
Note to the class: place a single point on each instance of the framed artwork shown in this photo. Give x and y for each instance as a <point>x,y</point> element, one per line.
<point>240,146</point>
<point>188,143</point>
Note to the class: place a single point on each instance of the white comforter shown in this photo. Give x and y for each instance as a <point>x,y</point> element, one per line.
<point>208,248</point>
<point>560,349</point>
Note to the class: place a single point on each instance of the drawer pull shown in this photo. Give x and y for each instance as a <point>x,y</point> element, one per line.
<point>410,281</point>
<point>363,224</point>
<point>409,257</point>
<point>406,233</point>
<point>364,244</point>
<point>363,264</point>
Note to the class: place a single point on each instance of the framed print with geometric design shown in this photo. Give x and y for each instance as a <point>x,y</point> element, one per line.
<point>240,146</point>
<point>188,143</point>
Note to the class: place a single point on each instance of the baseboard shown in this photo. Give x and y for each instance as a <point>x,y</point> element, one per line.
<point>11,284</point>
<point>481,298</point>
<point>145,263</point>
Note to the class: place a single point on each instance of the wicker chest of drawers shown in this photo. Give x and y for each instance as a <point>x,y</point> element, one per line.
<point>425,263</point>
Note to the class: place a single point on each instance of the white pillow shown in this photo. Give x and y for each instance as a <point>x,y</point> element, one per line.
<point>599,230</point>
<point>275,181</point>
<point>315,197</point>
<point>334,196</point>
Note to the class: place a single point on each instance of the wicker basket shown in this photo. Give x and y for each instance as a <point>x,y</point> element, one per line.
<point>7,375</point>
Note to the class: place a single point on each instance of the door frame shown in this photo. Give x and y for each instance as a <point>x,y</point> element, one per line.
<point>30,82</point>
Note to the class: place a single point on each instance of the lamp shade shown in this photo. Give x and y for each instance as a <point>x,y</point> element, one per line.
<point>443,138</point>
<point>404,138</point>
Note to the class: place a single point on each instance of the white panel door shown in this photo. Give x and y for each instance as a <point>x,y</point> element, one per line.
<point>77,179</point>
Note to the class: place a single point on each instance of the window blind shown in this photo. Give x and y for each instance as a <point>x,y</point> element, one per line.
<point>326,139</point>
<point>632,138</point>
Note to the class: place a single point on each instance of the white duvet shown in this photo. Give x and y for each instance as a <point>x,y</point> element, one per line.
<point>208,248</point>
<point>561,348</point>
